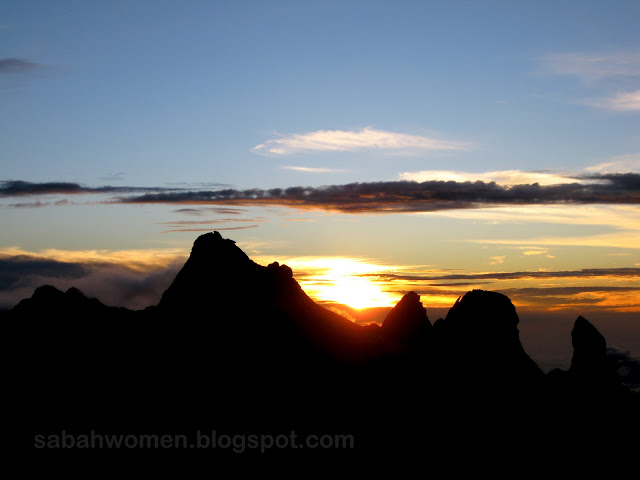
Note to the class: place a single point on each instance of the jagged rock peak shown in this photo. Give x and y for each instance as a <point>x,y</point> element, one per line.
<point>485,309</point>
<point>218,268</point>
<point>408,320</point>
<point>589,346</point>
<point>212,244</point>
<point>283,270</point>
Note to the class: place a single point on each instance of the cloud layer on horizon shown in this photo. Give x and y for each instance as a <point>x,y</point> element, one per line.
<point>131,279</point>
<point>409,196</point>
<point>372,197</point>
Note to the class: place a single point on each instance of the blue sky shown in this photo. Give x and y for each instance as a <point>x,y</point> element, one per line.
<point>192,96</point>
<point>148,93</point>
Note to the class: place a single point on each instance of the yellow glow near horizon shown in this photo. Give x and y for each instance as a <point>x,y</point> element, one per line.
<point>360,283</point>
<point>342,280</point>
<point>141,259</point>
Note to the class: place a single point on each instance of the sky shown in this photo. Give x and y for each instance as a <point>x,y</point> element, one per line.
<point>375,147</point>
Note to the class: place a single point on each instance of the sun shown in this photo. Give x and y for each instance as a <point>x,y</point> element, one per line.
<point>355,292</point>
<point>348,281</point>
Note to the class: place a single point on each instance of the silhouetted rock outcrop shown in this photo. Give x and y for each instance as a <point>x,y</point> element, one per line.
<point>407,323</point>
<point>479,341</point>
<point>592,377</point>
<point>49,302</point>
<point>239,347</point>
<point>589,349</point>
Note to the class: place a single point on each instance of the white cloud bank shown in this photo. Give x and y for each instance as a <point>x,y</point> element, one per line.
<point>353,141</point>
<point>502,177</point>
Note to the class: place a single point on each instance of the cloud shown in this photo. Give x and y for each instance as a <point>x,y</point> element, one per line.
<point>619,239</point>
<point>620,102</point>
<point>591,67</point>
<point>564,291</point>
<point>407,196</point>
<point>620,163</point>
<point>112,177</point>
<point>13,188</point>
<point>17,65</point>
<point>134,279</point>
<point>29,204</point>
<point>14,270</point>
<point>503,177</point>
<point>209,229</point>
<point>627,366</point>
<point>624,219</point>
<point>497,260</point>
<point>353,141</point>
<point>402,196</point>
<point>534,252</point>
<point>179,223</point>
<point>584,273</point>
<point>216,210</point>
<point>314,170</point>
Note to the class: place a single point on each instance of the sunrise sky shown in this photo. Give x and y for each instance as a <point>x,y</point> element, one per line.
<point>376,147</point>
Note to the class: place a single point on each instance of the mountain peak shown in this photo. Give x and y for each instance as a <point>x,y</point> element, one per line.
<point>407,321</point>
<point>589,347</point>
<point>484,326</point>
<point>215,264</point>
<point>483,309</point>
<point>212,244</point>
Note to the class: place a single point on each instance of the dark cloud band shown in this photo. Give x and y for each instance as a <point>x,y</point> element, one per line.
<point>407,196</point>
<point>375,197</point>
<point>584,273</point>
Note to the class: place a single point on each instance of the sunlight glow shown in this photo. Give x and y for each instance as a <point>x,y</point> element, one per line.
<point>341,280</point>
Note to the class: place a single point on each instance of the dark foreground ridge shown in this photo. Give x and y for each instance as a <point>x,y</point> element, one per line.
<point>237,347</point>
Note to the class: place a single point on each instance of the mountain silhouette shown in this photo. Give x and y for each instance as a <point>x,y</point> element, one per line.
<point>239,347</point>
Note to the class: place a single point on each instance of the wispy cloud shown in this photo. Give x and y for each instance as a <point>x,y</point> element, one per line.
<point>591,67</point>
<point>37,204</point>
<point>355,140</point>
<point>617,164</point>
<point>534,251</point>
<point>17,65</point>
<point>112,177</point>
<point>314,169</point>
<point>620,239</point>
<point>613,70</point>
<point>497,260</point>
<point>620,217</point>
<point>218,221</point>
<point>209,229</point>
<point>621,102</point>
<point>214,224</point>
<point>206,210</point>
<point>584,273</point>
